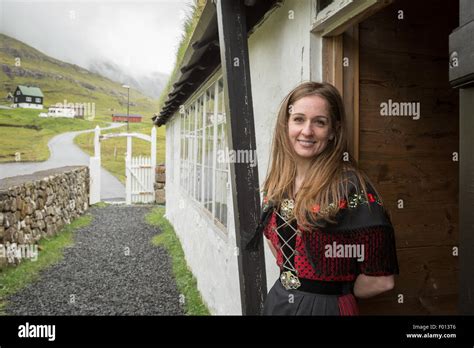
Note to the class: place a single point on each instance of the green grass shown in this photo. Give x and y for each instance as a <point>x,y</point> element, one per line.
<point>185,280</point>
<point>189,25</point>
<point>13,279</point>
<point>21,130</point>
<point>113,150</point>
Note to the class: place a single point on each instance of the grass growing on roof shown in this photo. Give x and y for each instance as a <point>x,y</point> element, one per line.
<point>187,285</point>
<point>13,279</point>
<point>190,23</point>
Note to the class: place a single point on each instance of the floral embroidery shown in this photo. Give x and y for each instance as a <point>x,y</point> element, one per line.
<point>354,201</point>
<point>266,203</point>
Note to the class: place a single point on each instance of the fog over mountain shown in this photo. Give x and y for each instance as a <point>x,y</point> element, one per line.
<point>128,41</point>
<point>149,84</point>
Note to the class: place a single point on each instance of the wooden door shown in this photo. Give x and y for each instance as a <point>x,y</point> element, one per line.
<point>403,57</point>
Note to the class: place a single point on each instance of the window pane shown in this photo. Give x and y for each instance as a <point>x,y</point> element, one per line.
<point>209,156</point>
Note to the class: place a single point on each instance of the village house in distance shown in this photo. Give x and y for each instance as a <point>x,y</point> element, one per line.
<point>132,118</point>
<point>28,97</point>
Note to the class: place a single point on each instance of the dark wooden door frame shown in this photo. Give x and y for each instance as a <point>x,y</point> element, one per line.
<point>341,68</point>
<point>232,29</point>
<point>461,75</point>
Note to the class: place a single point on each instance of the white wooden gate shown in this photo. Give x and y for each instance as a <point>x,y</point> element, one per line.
<point>140,171</point>
<point>140,180</point>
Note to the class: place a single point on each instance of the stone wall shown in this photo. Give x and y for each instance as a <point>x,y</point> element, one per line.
<point>40,204</point>
<point>160,180</point>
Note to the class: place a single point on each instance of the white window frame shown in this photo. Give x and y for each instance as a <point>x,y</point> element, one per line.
<point>338,16</point>
<point>188,183</point>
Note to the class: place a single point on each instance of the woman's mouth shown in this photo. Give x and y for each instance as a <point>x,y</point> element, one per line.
<point>306,143</point>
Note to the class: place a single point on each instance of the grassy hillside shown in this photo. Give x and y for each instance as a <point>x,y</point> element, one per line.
<point>59,81</point>
<point>21,130</point>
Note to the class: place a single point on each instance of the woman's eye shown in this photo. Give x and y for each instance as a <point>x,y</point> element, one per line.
<point>320,122</point>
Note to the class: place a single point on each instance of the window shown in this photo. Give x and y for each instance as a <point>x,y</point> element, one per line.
<point>38,100</point>
<point>28,99</point>
<point>323,4</point>
<point>209,135</point>
<point>203,133</point>
<point>17,92</point>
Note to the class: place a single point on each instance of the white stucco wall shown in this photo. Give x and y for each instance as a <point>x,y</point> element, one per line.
<point>209,251</point>
<point>283,53</point>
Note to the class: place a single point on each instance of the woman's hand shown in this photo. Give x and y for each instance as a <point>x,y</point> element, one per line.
<point>366,286</point>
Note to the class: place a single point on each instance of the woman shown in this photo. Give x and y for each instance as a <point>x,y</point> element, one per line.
<point>324,221</point>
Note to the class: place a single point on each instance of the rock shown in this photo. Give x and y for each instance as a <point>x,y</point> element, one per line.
<point>160,177</point>
<point>38,215</point>
<point>160,197</point>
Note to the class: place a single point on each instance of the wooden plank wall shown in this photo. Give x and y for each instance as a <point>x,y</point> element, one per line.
<point>407,60</point>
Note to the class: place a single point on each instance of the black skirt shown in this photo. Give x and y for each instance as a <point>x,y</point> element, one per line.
<point>280,301</point>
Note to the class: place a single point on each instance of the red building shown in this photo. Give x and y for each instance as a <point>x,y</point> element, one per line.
<point>123,118</point>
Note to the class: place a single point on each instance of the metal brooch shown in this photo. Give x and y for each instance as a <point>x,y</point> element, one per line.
<point>286,209</point>
<point>289,280</point>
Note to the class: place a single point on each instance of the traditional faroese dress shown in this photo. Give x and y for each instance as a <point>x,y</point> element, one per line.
<point>318,268</point>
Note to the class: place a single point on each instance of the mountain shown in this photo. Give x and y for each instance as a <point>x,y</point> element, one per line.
<point>59,81</point>
<point>150,84</point>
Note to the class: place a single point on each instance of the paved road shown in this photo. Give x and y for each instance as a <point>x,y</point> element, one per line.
<point>65,153</point>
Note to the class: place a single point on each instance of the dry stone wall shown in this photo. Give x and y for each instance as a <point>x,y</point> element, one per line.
<point>39,205</point>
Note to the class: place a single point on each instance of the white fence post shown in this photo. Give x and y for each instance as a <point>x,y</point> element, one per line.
<point>94,180</point>
<point>94,170</point>
<point>153,164</point>
<point>97,141</point>
<point>128,170</point>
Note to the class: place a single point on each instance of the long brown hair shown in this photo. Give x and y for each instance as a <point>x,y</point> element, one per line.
<point>326,180</point>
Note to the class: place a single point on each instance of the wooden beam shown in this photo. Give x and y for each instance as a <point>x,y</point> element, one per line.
<point>332,61</point>
<point>232,28</point>
<point>351,87</point>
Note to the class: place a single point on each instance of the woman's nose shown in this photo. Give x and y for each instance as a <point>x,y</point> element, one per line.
<point>307,130</point>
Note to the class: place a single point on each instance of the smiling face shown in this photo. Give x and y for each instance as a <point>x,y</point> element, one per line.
<point>309,126</point>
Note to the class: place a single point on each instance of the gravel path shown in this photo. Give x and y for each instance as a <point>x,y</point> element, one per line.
<point>96,277</point>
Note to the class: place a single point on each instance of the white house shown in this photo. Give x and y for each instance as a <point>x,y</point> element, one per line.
<point>226,96</point>
<point>61,111</point>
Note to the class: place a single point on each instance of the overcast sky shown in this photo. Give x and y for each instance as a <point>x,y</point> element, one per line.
<point>141,35</point>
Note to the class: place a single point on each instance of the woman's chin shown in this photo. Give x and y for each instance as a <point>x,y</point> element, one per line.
<point>306,154</point>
